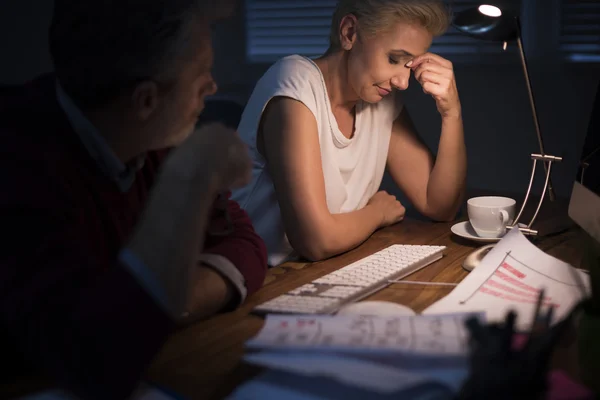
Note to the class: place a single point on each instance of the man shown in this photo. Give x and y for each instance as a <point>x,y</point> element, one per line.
<point>109,245</point>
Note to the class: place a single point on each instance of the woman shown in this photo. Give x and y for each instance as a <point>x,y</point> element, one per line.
<point>323,131</point>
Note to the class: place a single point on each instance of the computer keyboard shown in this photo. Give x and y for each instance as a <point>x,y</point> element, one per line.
<point>354,281</point>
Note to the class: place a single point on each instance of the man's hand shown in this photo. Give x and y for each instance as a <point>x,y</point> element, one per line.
<point>173,226</point>
<point>436,76</point>
<point>209,291</point>
<point>214,150</point>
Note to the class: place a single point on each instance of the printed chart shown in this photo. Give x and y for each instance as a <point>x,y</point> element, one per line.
<point>515,281</point>
<point>509,278</point>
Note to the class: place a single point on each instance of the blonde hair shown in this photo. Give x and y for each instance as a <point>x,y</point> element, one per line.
<point>377,16</point>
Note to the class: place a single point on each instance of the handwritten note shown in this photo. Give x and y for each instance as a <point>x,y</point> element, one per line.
<point>510,277</point>
<point>434,334</point>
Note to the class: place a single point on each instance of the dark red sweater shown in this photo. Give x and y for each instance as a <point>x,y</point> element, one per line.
<point>67,308</point>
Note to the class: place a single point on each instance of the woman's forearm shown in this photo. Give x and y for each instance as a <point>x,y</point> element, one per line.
<point>446,184</point>
<point>338,233</point>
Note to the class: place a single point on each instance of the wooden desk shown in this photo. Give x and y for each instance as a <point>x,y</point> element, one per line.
<point>204,360</point>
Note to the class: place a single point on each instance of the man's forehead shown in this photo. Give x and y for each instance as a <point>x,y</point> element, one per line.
<point>202,49</point>
<point>201,36</point>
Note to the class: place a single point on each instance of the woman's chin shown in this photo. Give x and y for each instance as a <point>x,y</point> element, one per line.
<point>372,99</point>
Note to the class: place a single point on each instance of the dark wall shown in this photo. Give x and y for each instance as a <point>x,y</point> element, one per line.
<point>23,39</point>
<point>498,123</point>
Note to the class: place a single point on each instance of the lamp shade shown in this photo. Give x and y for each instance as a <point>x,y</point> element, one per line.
<point>480,23</point>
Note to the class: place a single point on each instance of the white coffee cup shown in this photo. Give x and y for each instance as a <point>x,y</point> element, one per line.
<point>489,215</point>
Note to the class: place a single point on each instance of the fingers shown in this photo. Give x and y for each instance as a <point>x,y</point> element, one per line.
<point>429,58</point>
<point>212,132</point>
<point>428,72</point>
<point>394,210</point>
<point>239,169</point>
<point>205,146</point>
<point>396,213</point>
<point>401,210</point>
<point>432,70</point>
<point>436,76</point>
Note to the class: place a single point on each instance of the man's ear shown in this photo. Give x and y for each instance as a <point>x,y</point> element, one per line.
<point>145,99</point>
<point>348,30</point>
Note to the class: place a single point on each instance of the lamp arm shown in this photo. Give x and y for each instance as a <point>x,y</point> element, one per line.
<point>532,103</point>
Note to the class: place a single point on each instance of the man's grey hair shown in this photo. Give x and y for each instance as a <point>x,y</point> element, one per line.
<point>102,48</point>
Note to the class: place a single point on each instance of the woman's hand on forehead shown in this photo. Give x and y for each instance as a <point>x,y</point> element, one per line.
<point>436,76</point>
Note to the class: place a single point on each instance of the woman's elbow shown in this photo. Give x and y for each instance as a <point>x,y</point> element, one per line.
<point>446,217</point>
<point>312,248</point>
<point>312,252</point>
<point>442,214</point>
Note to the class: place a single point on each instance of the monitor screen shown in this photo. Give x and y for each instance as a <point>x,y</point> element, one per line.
<point>589,167</point>
<point>584,207</point>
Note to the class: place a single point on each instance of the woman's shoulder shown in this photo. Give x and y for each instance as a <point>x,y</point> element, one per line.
<point>293,67</point>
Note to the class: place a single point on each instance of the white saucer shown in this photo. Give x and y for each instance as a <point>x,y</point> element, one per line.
<point>465,230</point>
<point>375,308</point>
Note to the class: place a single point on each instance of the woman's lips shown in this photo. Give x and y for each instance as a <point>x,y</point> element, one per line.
<point>383,92</point>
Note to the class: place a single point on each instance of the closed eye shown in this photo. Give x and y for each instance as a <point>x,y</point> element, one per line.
<point>392,60</point>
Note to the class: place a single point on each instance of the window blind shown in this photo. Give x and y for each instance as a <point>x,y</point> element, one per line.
<point>276,28</point>
<point>580,30</point>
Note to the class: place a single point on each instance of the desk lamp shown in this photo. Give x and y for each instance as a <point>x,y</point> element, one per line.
<point>488,22</point>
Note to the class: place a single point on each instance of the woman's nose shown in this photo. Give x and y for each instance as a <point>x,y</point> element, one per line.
<point>400,81</point>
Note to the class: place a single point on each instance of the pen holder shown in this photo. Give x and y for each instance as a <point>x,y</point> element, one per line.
<point>500,369</point>
<point>588,344</point>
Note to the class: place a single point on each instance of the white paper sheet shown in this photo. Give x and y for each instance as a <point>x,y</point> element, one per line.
<point>433,335</point>
<point>509,278</point>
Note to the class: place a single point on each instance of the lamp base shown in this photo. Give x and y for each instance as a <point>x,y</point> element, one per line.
<point>547,160</point>
<point>557,223</point>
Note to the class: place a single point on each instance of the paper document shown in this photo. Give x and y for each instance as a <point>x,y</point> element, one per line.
<point>366,356</point>
<point>433,335</point>
<point>510,277</point>
<point>369,375</point>
<point>281,385</point>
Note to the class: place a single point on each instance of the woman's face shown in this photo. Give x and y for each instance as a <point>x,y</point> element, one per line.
<point>376,64</point>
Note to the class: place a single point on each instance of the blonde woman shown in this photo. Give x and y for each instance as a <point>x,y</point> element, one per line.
<point>323,131</point>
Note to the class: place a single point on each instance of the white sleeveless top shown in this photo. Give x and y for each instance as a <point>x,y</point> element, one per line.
<point>352,168</point>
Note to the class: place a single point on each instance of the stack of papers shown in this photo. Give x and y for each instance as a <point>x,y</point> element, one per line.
<point>330,357</point>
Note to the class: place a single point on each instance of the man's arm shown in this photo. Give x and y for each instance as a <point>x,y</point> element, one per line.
<point>94,327</point>
<point>242,247</point>
<point>210,293</point>
<point>232,266</point>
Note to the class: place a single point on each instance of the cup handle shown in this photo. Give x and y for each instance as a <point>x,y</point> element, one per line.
<point>504,217</point>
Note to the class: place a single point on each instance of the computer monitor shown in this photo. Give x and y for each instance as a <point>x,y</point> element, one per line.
<point>584,206</point>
